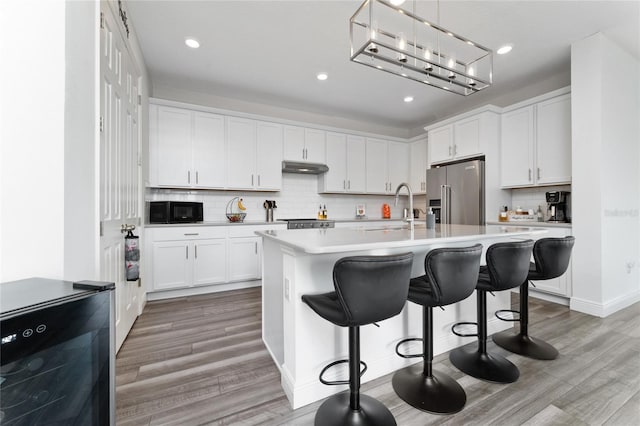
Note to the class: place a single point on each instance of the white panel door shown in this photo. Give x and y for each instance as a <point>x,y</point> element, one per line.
<point>209,261</point>
<point>553,141</point>
<point>376,157</point>
<point>174,151</point>
<point>314,146</point>
<point>356,164</point>
<point>335,179</point>
<point>241,153</point>
<point>293,143</point>
<point>244,258</point>
<point>466,138</point>
<point>517,148</point>
<point>418,167</point>
<point>269,156</point>
<point>171,265</point>
<point>440,144</point>
<point>119,167</point>
<point>208,150</point>
<point>398,164</point>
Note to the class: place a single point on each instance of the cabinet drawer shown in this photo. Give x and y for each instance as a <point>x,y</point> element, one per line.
<point>250,230</point>
<point>188,233</point>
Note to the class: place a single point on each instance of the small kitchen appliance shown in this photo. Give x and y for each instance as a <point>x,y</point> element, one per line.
<point>559,206</point>
<point>308,223</point>
<point>269,205</point>
<point>174,212</point>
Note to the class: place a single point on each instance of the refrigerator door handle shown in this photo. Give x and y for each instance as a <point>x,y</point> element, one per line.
<point>445,196</point>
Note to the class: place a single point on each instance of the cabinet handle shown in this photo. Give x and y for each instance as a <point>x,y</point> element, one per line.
<point>256,245</point>
<point>449,150</point>
<point>455,149</point>
<point>251,180</point>
<point>187,251</point>
<point>189,176</point>
<point>344,184</point>
<point>348,184</point>
<point>197,176</point>
<point>191,233</point>
<point>258,180</point>
<point>196,251</point>
<point>538,173</point>
<point>529,175</point>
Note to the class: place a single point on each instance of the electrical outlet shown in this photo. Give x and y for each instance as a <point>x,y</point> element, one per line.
<point>287,288</point>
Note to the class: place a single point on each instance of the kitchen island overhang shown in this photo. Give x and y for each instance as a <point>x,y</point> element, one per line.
<point>297,262</point>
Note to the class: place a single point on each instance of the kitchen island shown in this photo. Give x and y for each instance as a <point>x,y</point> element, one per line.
<point>297,262</point>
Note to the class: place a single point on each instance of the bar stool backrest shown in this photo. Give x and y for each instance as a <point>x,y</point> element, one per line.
<point>453,272</point>
<point>552,256</point>
<point>372,288</point>
<point>508,263</point>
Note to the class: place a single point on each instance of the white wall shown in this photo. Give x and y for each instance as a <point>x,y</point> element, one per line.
<point>606,159</point>
<point>32,138</point>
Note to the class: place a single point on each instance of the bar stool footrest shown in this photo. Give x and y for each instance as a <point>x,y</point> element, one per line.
<point>453,329</point>
<point>411,339</point>
<point>502,311</point>
<point>338,382</point>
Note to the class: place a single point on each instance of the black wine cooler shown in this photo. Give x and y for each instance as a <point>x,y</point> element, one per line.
<point>57,359</point>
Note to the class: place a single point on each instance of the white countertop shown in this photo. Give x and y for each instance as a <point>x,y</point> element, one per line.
<point>216,223</point>
<point>533,224</point>
<point>332,240</point>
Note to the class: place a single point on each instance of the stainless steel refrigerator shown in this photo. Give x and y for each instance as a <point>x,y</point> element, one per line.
<point>455,192</point>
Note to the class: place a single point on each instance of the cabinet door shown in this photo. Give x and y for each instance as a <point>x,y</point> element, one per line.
<point>418,167</point>
<point>335,180</point>
<point>517,148</point>
<point>208,150</point>
<point>269,156</point>
<point>440,144</point>
<point>241,157</point>
<point>171,265</point>
<point>173,146</point>
<point>376,157</point>
<point>466,137</point>
<point>293,143</point>
<point>398,168</point>
<point>553,141</point>
<point>314,143</point>
<point>356,165</point>
<point>244,258</point>
<point>209,261</point>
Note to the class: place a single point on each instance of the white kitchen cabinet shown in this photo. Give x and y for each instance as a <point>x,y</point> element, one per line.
<point>244,258</point>
<point>536,144</point>
<point>186,148</point>
<point>209,261</point>
<point>455,141</point>
<point>418,166</point>
<point>254,150</point>
<point>561,285</point>
<point>346,161</point>
<point>387,165</point>
<point>171,266</point>
<point>304,145</point>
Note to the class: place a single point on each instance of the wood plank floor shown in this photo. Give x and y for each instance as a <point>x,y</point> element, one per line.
<point>200,360</point>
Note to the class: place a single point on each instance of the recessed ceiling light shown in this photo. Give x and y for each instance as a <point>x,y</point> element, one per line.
<point>408,98</point>
<point>504,49</point>
<point>322,76</point>
<point>192,43</point>
<point>396,2</point>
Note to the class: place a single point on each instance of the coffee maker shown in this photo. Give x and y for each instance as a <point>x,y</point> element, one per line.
<point>559,206</point>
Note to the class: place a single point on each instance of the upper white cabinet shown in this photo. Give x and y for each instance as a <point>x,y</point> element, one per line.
<point>302,144</point>
<point>346,161</point>
<point>461,139</point>
<point>254,155</point>
<point>186,148</point>
<point>418,166</point>
<point>536,144</point>
<point>387,165</point>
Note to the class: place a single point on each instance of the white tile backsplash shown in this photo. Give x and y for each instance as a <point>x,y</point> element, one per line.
<point>298,198</point>
<point>531,198</point>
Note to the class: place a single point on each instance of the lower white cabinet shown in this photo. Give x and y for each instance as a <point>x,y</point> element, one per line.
<point>189,256</point>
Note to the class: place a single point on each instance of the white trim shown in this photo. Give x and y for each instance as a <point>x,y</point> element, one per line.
<point>603,310</point>
<point>487,108</point>
<point>540,98</point>
<point>543,295</point>
<point>205,289</point>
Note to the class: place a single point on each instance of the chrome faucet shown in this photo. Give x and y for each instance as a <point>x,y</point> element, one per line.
<point>409,217</point>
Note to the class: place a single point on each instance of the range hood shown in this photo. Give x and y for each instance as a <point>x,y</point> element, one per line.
<point>305,168</point>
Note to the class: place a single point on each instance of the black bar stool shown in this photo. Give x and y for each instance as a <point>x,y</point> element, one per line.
<point>551,257</point>
<point>507,267</point>
<point>368,289</point>
<point>451,276</point>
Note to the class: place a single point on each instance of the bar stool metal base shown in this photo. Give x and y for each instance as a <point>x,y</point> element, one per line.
<point>337,411</point>
<point>525,345</point>
<point>438,394</point>
<point>485,366</point>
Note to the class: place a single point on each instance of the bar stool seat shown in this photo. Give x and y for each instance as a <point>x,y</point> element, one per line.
<point>368,289</point>
<point>507,267</point>
<point>552,256</point>
<point>450,276</point>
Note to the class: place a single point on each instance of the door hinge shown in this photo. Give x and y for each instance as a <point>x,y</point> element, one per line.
<point>101,228</point>
<point>101,124</point>
<point>102,20</point>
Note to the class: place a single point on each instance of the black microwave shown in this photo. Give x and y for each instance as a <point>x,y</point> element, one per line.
<point>175,212</point>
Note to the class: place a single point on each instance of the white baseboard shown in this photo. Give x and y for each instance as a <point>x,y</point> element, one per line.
<point>192,291</point>
<point>603,310</point>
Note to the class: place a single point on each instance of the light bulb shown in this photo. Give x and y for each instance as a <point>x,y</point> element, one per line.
<point>452,64</point>
<point>472,73</point>
<point>373,48</point>
<point>401,44</point>
<point>192,43</point>
<point>427,56</point>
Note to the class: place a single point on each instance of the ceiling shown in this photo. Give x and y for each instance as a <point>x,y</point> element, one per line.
<point>269,52</point>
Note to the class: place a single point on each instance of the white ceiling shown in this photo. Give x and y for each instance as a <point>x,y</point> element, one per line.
<point>269,52</point>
